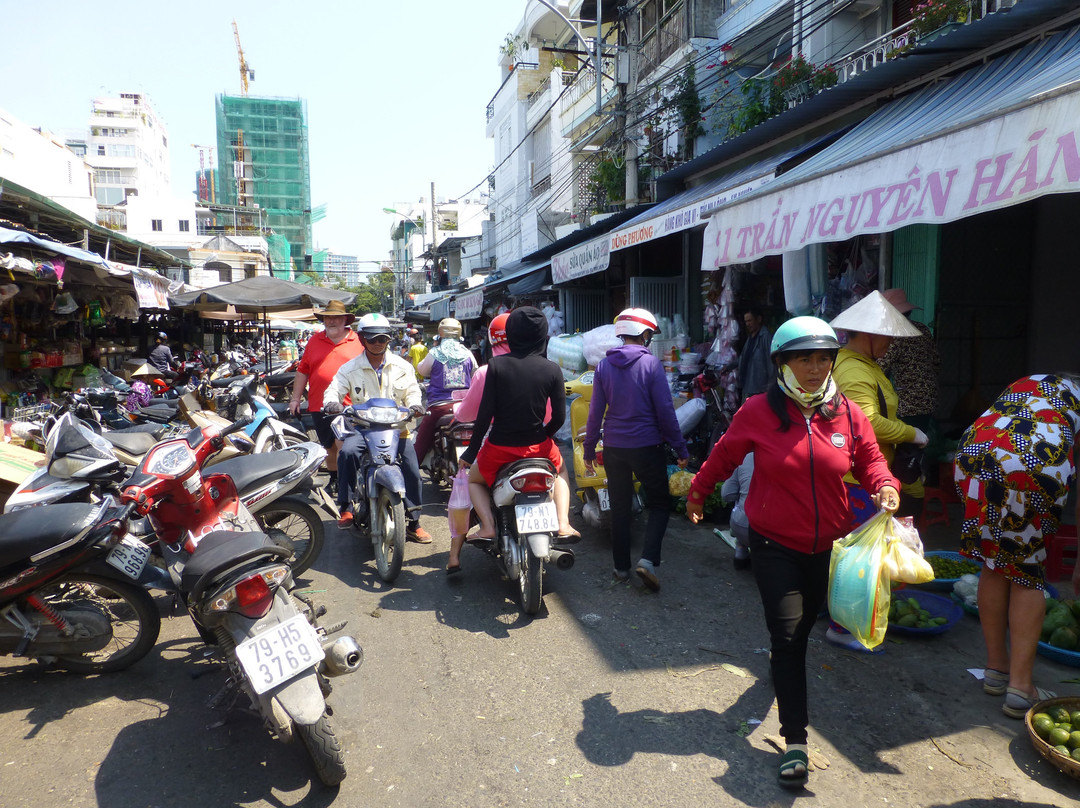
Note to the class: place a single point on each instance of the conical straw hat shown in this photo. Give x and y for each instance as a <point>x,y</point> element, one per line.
<point>875,315</point>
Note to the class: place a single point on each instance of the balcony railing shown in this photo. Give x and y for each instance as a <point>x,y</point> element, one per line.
<point>875,52</point>
<point>539,92</point>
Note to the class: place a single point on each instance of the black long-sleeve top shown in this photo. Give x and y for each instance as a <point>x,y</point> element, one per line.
<point>516,393</point>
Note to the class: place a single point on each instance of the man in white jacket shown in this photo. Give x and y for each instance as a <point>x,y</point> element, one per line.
<point>377,373</point>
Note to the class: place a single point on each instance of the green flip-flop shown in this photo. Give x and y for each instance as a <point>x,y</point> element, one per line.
<point>794,769</point>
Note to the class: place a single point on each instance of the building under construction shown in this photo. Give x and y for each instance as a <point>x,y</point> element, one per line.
<point>263,162</point>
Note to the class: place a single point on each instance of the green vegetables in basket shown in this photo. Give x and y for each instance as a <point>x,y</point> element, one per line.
<point>1059,729</point>
<point>907,612</point>
<point>951,568</point>
<point>1060,627</point>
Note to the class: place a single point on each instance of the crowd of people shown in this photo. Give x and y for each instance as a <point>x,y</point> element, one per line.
<point>812,453</point>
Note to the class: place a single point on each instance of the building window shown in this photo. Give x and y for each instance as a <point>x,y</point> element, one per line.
<point>185,226</point>
<point>225,274</point>
<point>101,151</point>
<point>249,270</point>
<point>108,176</point>
<point>155,225</point>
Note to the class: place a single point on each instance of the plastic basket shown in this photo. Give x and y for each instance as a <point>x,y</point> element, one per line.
<point>1070,658</point>
<point>938,606</point>
<point>33,412</point>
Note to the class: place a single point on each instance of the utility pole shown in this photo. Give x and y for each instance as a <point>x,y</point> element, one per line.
<point>633,38</point>
<point>434,264</point>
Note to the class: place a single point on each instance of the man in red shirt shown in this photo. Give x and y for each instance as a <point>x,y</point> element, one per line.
<point>324,353</point>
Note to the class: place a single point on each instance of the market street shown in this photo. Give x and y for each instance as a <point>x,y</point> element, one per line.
<point>611,696</point>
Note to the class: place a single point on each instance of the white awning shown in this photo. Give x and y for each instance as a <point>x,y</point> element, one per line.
<point>994,136</point>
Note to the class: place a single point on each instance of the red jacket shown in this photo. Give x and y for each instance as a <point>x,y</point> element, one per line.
<point>797,494</point>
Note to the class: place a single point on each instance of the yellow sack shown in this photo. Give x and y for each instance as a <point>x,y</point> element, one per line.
<point>859,587</point>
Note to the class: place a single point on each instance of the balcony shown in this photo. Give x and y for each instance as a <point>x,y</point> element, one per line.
<point>875,52</point>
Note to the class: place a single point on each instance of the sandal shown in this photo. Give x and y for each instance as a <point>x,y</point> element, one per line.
<point>794,769</point>
<point>995,683</point>
<point>1017,702</point>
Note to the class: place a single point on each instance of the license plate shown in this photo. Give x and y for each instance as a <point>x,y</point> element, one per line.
<point>539,518</point>
<point>605,500</point>
<point>129,556</point>
<point>280,653</point>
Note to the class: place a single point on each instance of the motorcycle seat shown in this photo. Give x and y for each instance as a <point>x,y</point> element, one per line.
<point>252,471</point>
<point>150,429</point>
<point>165,401</point>
<point>280,379</point>
<point>32,531</point>
<point>226,381</point>
<point>222,550</point>
<point>445,421</point>
<point>134,443</point>
<point>159,413</point>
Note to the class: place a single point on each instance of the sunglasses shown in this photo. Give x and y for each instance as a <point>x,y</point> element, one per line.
<point>380,340</point>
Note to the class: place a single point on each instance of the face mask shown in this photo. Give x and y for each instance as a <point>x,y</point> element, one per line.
<point>806,398</point>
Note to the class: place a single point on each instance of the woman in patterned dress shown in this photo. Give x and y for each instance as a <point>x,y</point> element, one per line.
<point>1014,468</point>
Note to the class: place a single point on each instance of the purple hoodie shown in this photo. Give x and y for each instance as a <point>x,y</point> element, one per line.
<point>630,385</point>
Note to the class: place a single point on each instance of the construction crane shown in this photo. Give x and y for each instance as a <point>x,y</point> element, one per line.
<point>206,189</point>
<point>246,73</point>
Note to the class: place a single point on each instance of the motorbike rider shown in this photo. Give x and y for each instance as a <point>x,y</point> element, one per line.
<point>518,388</point>
<point>323,355</point>
<point>377,373</point>
<point>449,366</point>
<point>161,356</point>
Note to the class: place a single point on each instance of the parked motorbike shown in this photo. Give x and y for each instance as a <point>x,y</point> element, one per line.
<point>526,528</point>
<point>83,466</point>
<point>243,398</point>
<point>238,589</point>
<point>450,440</point>
<point>69,588</point>
<point>379,488</point>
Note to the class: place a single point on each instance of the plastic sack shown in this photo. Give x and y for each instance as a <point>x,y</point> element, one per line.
<point>460,505</point>
<point>597,342</point>
<point>904,558</point>
<point>679,483</point>
<point>859,589</point>
<point>689,415</point>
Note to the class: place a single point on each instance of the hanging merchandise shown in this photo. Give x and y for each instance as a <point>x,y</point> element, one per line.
<point>65,304</point>
<point>126,308</point>
<point>94,314</point>
<point>722,355</point>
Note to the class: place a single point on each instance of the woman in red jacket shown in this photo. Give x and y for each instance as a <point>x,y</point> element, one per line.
<point>805,437</point>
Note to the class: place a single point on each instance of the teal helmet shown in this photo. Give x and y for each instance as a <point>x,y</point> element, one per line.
<point>804,334</point>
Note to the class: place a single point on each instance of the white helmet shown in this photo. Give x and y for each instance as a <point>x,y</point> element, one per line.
<point>373,325</point>
<point>449,327</point>
<point>634,322</point>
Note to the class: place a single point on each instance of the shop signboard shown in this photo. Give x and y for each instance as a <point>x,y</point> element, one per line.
<point>151,290</point>
<point>992,164</point>
<point>584,259</point>
<point>469,305</point>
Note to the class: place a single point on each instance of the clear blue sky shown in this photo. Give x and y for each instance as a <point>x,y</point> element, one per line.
<point>395,92</point>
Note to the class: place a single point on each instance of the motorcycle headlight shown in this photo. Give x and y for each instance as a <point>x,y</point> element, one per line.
<point>380,415</point>
<point>171,459</point>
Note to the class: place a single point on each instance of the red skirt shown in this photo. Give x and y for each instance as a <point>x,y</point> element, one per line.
<point>491,457</point>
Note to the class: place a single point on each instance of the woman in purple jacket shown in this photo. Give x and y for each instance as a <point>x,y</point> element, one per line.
<point>632,400</point>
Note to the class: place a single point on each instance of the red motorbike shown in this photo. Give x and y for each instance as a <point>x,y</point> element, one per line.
<point>238,589</point>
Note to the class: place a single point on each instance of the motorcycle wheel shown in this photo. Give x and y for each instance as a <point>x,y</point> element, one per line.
<point>323,749</point>
<point>531,579</point>
<point>390,545</point>
<point>297,526</point>
<point>273,441</point>
<point>132,613</point>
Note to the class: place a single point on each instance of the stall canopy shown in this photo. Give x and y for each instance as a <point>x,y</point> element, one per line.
<point>260,294</point>
<point>993,136</point>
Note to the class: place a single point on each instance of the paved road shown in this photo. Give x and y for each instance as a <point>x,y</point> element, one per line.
<point>611,697</point>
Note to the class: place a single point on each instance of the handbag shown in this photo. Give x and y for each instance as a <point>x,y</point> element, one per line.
<point>908,458</point>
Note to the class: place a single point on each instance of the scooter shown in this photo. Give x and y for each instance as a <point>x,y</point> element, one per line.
<point>526,528</point>
<point>269,432</point>
<point>69,588</point>
<point>450,440</point>
<point>238,589</point>
<point>379,488</point>
<point>83,466</point>
<point>592,489</point>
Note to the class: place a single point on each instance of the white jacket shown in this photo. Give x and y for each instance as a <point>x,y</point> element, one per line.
<point>358,380</point>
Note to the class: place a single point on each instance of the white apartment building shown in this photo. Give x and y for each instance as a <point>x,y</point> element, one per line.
<point>128,148</point>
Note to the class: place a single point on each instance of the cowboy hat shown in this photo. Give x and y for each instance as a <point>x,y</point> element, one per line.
<point>875,315</point>
<point>335,308</point>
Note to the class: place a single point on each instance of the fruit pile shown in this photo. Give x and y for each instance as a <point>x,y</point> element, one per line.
<point>910,614</point>
<point>1060,627</point>
<point>1059,728</point>
<point>945,567</point>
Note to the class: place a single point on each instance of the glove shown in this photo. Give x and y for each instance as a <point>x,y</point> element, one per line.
<point>332,408</point>
<point>417,410</point>
<point>920,438</point>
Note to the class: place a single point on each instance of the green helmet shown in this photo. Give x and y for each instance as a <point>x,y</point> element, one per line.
<point>804,334</point>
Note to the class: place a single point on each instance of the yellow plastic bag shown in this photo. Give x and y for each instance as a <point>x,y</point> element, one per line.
<point>679,483</point>
<point>859,581</point>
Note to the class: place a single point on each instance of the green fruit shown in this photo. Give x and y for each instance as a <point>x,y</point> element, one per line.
<point>1058,737</point>
<point>1074,740</point>
<point>939,621</point>
<point>1076,753</point>
<point>1063,750</point>
<point>908,621</point>
<point>1074,719</point>
<point>1042,724</point>
<point>1059,714</point>
<point>913,604</point>
<point>1075,606</point>
<point>1065,637</point>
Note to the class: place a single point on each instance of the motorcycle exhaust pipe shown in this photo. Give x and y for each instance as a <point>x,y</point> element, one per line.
<point>563,559</point>
<point>343,655</point>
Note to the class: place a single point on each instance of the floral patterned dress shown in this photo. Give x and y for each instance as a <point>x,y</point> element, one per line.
<point>1014,468</point>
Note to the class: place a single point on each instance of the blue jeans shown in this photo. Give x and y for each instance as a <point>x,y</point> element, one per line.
<point>349,456</point>
<point>649,465</point>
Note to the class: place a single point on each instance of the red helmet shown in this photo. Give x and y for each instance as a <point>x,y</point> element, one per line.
<point>497,330</point>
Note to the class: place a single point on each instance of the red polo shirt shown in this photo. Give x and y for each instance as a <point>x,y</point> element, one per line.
<point>321,360</point>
